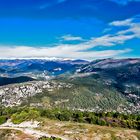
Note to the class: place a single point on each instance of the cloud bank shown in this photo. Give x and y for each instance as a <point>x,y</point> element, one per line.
<point>59,52</point>
<point>84,49</point>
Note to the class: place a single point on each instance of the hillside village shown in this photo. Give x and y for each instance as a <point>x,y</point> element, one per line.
<point>14,95</point>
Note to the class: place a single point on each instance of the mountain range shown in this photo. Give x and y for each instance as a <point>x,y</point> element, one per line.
<point>105,84</point>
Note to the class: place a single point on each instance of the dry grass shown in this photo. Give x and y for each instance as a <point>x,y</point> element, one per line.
<point>80,131</point>
<point>8,134</point>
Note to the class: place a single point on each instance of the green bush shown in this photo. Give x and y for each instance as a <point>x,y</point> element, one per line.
<point>18,118</point>
<point>3,119</point>
<point>31,114</point>
<point>107,119</point>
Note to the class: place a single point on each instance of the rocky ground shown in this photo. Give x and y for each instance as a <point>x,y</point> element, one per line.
<point>64,130</point>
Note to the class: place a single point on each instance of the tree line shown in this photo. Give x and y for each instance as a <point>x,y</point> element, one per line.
<point>114,119</point>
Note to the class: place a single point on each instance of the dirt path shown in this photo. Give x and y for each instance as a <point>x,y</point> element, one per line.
<point>28,128</point>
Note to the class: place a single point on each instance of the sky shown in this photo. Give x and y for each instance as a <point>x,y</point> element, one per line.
<point>76,29</point>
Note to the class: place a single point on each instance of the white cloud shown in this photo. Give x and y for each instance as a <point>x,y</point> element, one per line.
<point>99,54</point>
<point>80,50</point>
<point>59,51</point>
<point>133,27</point>
<point>70,50</point>
<point>126,22</point>
<point>111,40</point>
<point>71,38</point>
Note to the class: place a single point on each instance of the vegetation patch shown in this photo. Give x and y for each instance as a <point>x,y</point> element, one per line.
<point>104,119</point>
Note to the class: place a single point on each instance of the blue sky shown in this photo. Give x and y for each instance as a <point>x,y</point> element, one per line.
<point>78,29</point>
